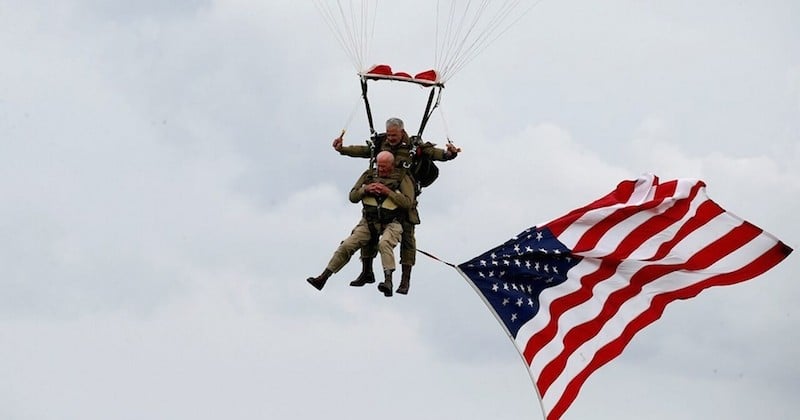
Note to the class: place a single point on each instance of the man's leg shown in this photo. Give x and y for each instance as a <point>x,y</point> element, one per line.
<point>408,256</point>
<point>358,237</point>
<point>368,253</point>
<point>391,235</point>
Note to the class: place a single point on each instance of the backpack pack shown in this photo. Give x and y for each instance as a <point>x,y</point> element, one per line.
<point>423,169</point>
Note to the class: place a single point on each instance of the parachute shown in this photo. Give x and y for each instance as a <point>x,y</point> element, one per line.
<point>462,29</point>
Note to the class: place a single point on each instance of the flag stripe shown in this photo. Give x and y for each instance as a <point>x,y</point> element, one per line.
<point>607,270</point>
<point>625,190</point>
<point>614,348</point>
<point>559,306</point>
<point>589,241</point>
<point>672,281</point>
<point>707,211</point>
<point>578,233</point>
<point>633,308</point>
<point>635,242</point>
<point>578,335</point>
<point>542,319</point>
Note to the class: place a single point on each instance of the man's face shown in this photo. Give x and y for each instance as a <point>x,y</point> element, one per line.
<point>394,134</point>
<point>385,167</point>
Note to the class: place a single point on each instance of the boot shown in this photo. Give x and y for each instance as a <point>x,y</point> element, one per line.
<point>366,276</point>
<point>405,279</point>
<point>386,285</point>
<point>319,281</point>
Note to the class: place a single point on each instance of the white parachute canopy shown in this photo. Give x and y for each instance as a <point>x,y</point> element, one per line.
<point>463,28</point>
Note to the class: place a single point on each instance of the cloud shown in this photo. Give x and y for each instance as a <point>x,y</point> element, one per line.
<point>186,359</point>
<point>169,184</point>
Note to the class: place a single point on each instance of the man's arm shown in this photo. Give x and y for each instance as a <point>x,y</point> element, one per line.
<point>352,151</point>
<point>435,153</point>
<point>404,198</point>
<point>356,151</point>
<point>358,191</point>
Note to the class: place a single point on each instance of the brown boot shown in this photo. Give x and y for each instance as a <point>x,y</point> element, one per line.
<point>366,276</point>
<point>386,285</point>
<point>405,279</point>
<point>319,281</point>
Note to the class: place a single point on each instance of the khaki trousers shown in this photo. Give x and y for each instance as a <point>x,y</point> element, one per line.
<point>359,237</point>
<point>408,247</point>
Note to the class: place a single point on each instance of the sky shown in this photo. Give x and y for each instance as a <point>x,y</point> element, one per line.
<point>168,184</point>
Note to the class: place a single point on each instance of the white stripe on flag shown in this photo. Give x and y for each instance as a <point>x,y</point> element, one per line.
<point>612,329</point>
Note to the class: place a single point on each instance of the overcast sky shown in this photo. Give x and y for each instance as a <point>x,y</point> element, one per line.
<point>168,183</point>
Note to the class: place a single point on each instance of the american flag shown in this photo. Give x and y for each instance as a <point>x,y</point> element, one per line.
<point>573,292</point>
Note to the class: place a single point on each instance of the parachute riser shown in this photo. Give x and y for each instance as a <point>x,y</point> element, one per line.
<point>430,107</point>
<point>373,133</point>
<point>366,105</point>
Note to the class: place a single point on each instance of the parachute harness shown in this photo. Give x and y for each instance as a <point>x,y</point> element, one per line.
<point>416,141</point>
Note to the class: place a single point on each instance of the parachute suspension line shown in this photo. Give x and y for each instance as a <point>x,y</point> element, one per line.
<point>450,46</point>
<point>368,37</point>
<point>365,31</point>
<point>444,123</point>
<point>333,22</point>
<point>445,49</point>
<point>461,52</point>
<point>353,26</point>
<point>474,32</point>
<point>492,35</point>
<point>439,45</point>
<point>350,116</point>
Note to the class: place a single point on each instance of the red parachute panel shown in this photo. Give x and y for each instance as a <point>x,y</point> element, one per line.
<point>385,72</point>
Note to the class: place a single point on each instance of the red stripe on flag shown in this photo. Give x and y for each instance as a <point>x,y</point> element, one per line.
<point>538,340</point>
<point>620,195</point>
<point>657,224</point>
<point>580,334</point>
<point>705,213</point>
<point>593,236</point>
<point>605,271</point>
<point>614,348</point>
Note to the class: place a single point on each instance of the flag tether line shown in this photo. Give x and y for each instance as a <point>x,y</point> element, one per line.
<point>435,258</point>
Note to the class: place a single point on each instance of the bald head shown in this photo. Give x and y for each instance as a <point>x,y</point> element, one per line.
<point>385,162</point>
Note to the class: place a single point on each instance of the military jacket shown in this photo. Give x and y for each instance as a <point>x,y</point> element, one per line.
<point>396,204</point>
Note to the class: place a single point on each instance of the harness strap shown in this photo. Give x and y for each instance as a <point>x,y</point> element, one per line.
<point>373,234</point>
<point>378,218</point>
